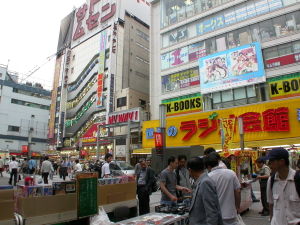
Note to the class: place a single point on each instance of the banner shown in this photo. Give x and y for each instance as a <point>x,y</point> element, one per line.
<point>183,104</point>
<point>158,137</point>
<point>177,81</point>
<point>103,37</point>
<point>233,68</point>
<point>284,86</point>
<point>227,132</point>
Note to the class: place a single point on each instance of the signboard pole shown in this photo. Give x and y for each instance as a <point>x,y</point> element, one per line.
<point>128,142</point>
<point>98,141</point>
<point>241,132</point>
<point>162,123</point>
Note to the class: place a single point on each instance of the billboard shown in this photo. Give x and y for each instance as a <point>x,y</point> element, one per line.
<point>183,104</point>
<point>180,80</point>
<point>232,68</point>
<point>284,86</point>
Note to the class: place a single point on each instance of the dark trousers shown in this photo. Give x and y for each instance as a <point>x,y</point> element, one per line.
<point>45,177</point>
<point>263,192</point>
<point>64,172</point>
<point>14,173</point>
<point>144,200</point>
<point>31,171</point>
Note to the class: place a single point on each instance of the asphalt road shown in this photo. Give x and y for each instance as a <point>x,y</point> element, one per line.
<point>251,217</point>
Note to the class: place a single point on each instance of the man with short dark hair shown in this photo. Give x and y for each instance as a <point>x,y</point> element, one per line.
<point>31,166</point>
<point>210,150</point>
<point>205,207</point>
<point>228,188</point>
<point>13,169</point>
<point>182,175</point>
<point>282,193</point>
<point>263,176</point>
<point>105,171</point>
<point>168,183</point>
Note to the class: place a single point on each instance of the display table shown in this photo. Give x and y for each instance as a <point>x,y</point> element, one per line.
<point>156,218</point>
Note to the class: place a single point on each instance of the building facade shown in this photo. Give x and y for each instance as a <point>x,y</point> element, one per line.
<point>102,68</point>
<point>216,59</point>
<point>24,114</point>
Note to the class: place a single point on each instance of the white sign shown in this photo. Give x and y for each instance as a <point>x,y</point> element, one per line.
<point>120,150</point>
<point>132,115</point>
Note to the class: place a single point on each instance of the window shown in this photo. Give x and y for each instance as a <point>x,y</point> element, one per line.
<point>142,60</point>
<point>121,102</point>
<point>280,27</point>
<point>29,104</point>
<point>267,30</point>
<point>142,35</point>
<point>270,53</point>
<point>142,46</point>
<point>285,49</point>
<point>142,103</point>
<point>13,128</point>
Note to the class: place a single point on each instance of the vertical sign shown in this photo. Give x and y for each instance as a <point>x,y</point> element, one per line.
<point>103,37</point>
<point>228,126</point>
<point>158,138</point>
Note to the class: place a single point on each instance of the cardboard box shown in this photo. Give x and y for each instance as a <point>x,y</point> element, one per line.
<point>6,195</point>
<point>44,205</point>
<point>108,194</point>
<point>7,210</point>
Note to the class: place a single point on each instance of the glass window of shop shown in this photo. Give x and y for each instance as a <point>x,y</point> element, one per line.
<point>174,11</point>
<point>232,97</point>
<point>230,16</point>
<point>260,32</point>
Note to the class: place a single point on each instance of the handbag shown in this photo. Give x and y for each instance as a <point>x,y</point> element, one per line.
<point>240,220</point>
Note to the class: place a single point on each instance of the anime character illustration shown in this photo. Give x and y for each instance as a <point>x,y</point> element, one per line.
<point>216,69</point>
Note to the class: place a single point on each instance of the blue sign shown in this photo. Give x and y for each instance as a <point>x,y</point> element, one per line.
<point>233,68</point>
<point>210,24</point>
<point>150,133</point>
<point>172,131</point>
<point>298,114</point>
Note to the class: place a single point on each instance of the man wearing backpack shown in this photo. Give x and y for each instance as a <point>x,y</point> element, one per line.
<point>283,189</point>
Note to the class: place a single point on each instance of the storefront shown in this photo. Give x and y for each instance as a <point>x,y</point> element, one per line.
<point>265,124</point>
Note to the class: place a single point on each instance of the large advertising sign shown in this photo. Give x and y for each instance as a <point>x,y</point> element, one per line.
<point>184,79</point>
<point>90,18</point>
<point>183,104</point>
<point>283,60</point>
<point>284,86</point>
<point>132,115</point>
<point>265,124</point>
<point>233,68</point>
<point>175,58</point>
<point>100,79</point>
<point>210,24</point>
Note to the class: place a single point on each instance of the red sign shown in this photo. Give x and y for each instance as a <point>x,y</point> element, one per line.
<point>100,90</point>
<point>88,17</point>
<point>270,120</point>
<point>24,148</point>
<point>158,137</point>
<point>283,60</point>
<point>123,117</point>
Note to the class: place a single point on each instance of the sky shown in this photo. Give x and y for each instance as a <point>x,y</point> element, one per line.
<point>29,35</point>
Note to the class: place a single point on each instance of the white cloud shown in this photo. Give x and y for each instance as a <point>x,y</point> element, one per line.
<point>29,34</point>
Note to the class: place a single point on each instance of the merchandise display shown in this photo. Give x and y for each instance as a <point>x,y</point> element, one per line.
<point>116,180</point>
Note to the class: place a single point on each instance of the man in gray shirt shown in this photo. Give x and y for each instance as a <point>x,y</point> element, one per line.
<point>182,176</point>
<point>168,183</point>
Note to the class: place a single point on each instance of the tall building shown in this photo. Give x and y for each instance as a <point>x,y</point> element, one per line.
<point>217,59</point>
<point>102,72</point>
<point>24,114</point>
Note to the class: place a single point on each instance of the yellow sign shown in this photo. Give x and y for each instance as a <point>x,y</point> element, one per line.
<point>284,86</point>
<point>183,104</point>
<point>266,124</point>
<point>228,126</point>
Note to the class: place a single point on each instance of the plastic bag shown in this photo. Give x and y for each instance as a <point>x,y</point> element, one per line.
<point>101,218</point>
<point>240,220</point>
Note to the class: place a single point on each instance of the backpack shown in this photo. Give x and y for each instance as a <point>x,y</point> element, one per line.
<point>296,181</point>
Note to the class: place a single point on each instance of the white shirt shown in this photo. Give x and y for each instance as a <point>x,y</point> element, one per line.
<point>78,167</point>
<point>105,169</point>
<point>46,167</point>
<point>13,165</point>
<point>226,182</point>
<point>285,200</point>
<point>222,165</point>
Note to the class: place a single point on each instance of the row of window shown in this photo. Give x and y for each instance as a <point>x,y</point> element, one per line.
<point>260,32</point>
<point>142,60</point>
<point>173,11</point>
<point>142,35</point>
<point>228,17</point>
<point>29,93</point>
<point>30,104</point>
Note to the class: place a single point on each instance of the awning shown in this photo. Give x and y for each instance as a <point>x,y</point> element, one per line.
<point>142,151</point>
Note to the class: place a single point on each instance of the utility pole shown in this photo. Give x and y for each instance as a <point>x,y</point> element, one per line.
<point>241,132</point>
<point>98,136</point>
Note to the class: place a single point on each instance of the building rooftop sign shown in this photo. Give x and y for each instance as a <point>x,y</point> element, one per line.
<point>132,115</point>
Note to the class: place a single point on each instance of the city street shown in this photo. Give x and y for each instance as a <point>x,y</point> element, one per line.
<point>251,217</point>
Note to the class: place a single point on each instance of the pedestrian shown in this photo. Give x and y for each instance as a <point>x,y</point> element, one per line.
<point>55,167</point>
<point>283,189</point>
<point>46,169</point>
<point>24,167</point>
<point>182,176</point>
<point>145,179</point>
<point>168,183</point>
<point>205,207</point>
<point>64,168</point>
<point>228,188</point>
<point>221,163</point>
<point>13,169</point>
<point>1,166</point>
<point>32,166</point>
<point>263,176</point>
<point>77,167</point>
<point>105,171</point>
